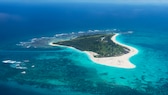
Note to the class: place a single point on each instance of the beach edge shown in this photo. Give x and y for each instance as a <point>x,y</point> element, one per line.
<point>117,61</point>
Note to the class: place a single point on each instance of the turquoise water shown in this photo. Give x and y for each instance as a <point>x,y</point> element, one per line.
<point>62,71</point>
<point>58,69</point>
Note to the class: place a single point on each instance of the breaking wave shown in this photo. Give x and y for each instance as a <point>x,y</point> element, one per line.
<point>44,41</point>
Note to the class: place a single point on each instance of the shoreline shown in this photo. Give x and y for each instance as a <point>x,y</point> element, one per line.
<point>117,61</point>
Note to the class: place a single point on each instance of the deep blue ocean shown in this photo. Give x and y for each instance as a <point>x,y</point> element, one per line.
<point>64,71</point>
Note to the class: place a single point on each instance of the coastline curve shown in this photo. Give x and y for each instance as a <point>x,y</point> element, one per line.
<point>118,61</point>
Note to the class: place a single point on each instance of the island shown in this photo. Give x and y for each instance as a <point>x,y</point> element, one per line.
<point>102,49</point>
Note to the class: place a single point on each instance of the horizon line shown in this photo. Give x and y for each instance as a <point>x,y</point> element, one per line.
<point>87,1</point>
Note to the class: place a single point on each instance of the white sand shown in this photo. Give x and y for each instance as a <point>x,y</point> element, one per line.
<point>119,61</point>
<point>51,44</point>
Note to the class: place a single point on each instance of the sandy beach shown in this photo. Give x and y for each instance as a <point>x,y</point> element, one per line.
<point>118,61</point>
<point>51,44</point>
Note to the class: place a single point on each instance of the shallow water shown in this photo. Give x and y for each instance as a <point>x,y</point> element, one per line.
<point>60,71</point>
<point>73,70</point>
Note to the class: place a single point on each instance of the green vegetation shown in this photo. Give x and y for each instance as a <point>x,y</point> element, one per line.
<point>99,43</point>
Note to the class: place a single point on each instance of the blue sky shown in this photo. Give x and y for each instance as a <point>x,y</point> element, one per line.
<point>94,1</point>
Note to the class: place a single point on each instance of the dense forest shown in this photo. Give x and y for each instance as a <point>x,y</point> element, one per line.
<point>99,43</point>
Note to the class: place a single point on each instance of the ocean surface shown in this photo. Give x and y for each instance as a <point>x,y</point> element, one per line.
<point>33,67</point>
